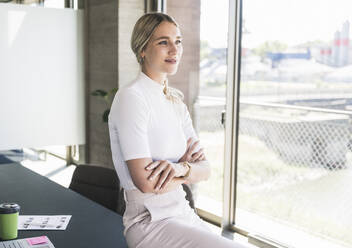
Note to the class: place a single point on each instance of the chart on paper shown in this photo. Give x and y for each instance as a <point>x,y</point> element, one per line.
<point>43,222</point>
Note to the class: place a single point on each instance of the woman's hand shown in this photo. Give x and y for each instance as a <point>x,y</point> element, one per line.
<point>165,169</point>
<point>191,156</point>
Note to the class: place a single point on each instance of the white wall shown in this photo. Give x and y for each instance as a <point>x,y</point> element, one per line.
<point>41,77</point>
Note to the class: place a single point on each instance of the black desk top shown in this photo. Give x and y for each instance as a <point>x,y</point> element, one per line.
<point>91,225</point>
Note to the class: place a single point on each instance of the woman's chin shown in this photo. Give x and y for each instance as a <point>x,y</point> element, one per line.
<point>171,71</point>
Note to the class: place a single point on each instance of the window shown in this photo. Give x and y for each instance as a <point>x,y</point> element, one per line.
<point>211,100</point>
<point>294,134</point>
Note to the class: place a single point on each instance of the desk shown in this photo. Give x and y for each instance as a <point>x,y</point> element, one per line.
<point>91,225</point>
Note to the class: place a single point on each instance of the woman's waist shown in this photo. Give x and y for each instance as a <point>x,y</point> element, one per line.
<point>140,206</point>
<point>137,196</point>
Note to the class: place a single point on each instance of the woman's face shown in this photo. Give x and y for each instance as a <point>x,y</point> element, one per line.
<point>163,52</point>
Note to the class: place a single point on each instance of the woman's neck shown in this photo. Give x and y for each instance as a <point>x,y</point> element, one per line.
<point>157,77</point>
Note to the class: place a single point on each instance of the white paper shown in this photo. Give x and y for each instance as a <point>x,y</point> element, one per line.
<point>43,222</point>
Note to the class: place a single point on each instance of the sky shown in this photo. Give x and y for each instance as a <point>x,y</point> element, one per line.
<point>289,21</point>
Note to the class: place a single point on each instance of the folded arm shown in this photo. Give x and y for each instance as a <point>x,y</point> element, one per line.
<point>141,177</point>
<point>163,176</point>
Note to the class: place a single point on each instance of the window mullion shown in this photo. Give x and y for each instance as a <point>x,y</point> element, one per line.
<point>231,122</point>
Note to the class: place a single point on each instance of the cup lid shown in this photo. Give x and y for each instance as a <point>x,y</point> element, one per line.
<point>9,208</point>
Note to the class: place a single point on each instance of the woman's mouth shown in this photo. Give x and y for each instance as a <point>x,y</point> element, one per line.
<point>171,61</point>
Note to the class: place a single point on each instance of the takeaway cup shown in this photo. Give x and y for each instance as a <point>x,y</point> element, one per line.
<point>8,220</point>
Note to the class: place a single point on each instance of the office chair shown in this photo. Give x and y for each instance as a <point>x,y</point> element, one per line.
<point>102,185</point>
<point>99,184</point>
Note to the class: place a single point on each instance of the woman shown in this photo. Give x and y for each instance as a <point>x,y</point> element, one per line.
<point>155,148</point>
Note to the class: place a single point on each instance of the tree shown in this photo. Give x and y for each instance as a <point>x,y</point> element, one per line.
<point>269,46</point>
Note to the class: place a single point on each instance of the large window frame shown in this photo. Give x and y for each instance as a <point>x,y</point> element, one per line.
<point>228,221</point>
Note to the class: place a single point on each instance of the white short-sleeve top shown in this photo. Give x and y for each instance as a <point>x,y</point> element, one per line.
<point>143,123</point>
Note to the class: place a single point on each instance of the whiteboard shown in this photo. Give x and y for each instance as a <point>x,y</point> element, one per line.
<point>41,77</point>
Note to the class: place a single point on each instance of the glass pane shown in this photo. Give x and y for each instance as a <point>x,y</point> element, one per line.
<point>294,144</point>
<point>211,100</point>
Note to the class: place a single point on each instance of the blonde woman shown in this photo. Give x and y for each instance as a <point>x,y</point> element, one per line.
<point>155,148</point>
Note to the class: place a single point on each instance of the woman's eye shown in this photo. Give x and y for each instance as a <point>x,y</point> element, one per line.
<point>178,42</point>
<point>164,42</point>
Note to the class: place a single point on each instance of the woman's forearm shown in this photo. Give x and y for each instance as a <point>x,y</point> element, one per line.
<point>144,182</point>
<point>200,171</point>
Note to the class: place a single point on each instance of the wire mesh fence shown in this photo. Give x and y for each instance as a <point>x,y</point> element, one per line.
<point>300,137</point>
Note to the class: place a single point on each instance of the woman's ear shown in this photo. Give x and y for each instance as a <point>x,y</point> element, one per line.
<point>142,54</point>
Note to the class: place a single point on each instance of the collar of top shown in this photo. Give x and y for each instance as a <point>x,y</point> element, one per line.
<point>151,83</point>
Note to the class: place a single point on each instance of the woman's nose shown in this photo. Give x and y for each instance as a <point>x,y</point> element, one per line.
<point>173,49</point>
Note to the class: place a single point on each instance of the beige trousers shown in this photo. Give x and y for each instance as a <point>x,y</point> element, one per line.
<point>166,220</point>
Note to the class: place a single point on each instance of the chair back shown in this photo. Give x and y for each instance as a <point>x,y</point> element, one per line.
<point>100,185</point>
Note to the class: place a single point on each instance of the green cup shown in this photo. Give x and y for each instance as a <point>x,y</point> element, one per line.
<point>8,220</point>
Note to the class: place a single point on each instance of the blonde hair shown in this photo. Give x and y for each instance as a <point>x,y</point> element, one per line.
<point>144,29</point>
<point>142,32</point>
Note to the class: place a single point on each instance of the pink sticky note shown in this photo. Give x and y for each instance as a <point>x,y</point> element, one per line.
<point>37,240</point>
